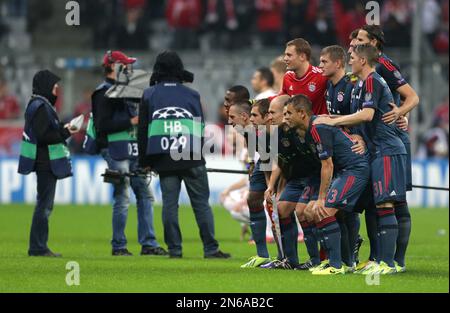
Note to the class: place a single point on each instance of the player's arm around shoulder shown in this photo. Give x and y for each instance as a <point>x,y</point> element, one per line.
<point>363,116</point>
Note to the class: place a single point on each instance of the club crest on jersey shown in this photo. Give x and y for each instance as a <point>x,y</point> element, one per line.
<point>285,142</point>
<point>368,96</point>
<point>312,87</point>
<point>340,96</point>
<point>291,88</point>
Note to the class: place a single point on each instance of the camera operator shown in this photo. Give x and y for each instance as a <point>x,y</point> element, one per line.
<point>166,107</point>
<point>115,123</point>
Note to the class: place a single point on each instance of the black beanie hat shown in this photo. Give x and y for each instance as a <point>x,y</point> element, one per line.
<point>169,67</point>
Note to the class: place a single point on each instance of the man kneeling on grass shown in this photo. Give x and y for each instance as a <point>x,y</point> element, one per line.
<point>351,176</point>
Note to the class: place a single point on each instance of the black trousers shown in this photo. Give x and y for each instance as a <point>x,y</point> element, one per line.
<point>46,186</point>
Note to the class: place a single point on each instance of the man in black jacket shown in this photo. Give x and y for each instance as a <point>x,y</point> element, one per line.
<point>115,122</point>
<point>44,151</point>
<point>171,126</point>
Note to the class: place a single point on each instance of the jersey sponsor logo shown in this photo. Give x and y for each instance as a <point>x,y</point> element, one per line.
<point>291,88</point>
<point>368,96</point>
<point>393,193</point>
<point>344,202</point>
<point>312,86</point>
<point>340,96</point>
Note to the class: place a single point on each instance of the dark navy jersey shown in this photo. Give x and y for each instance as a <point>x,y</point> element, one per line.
<point>392,75</point>
<point>354,106</point>
<point>339,96</point>
<point>297,158</point>
<point>356,93</point>
<point>333,142</point>
<point>390,71</point>
<point>382,139</point>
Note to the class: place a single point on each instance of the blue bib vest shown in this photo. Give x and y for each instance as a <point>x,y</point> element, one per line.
<point>59,155</point>
<point>123,145</point>
<point>175,120</point>
<point>90,143</point>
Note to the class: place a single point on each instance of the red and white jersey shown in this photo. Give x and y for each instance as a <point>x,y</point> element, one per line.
<point>313,85</point>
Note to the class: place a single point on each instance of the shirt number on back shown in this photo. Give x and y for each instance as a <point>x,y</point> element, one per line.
<point>133,149</point>
<point>173,142</point>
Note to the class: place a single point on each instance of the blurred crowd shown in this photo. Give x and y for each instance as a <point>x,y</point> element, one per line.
<point>237,24</point>
<point>10,108</point>
<point>435,141</point>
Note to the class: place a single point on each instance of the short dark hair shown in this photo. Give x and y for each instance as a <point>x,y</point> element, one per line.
<point>336,53</point>
<point>301,102</point>
<point>368,52</point>
<point>263,106</point>
<point>243,106</point>
<point>301,46</point>
<point>242,93</point>
<point>267,75</point>
<point>375,32</point>
<point>354,34</point>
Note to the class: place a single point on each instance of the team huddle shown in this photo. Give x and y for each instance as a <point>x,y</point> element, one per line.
<point>342,149</point>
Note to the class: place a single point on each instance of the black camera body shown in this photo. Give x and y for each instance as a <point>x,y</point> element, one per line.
<point>113,177</point>
<point>116,177</point>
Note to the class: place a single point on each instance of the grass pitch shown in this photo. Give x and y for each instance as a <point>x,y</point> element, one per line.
<point>82,234</point>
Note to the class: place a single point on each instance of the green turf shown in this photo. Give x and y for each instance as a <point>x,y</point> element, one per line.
<point>82,234</point>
